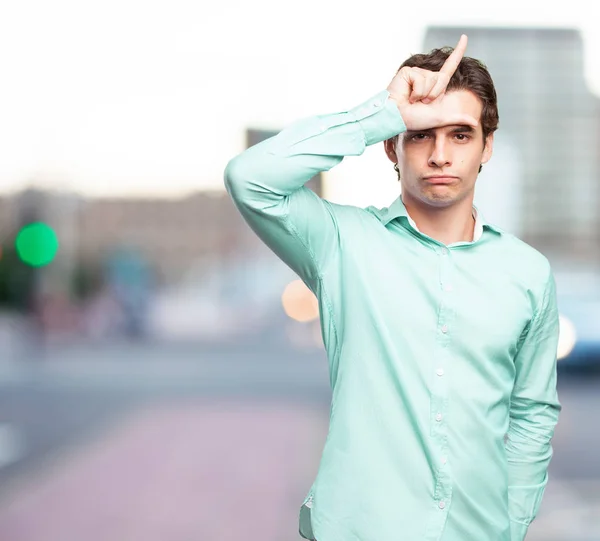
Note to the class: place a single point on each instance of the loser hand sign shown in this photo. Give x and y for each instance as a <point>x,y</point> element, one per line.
<point>419,94</point>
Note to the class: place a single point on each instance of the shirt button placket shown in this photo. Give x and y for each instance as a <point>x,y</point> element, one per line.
<point>445,331</point>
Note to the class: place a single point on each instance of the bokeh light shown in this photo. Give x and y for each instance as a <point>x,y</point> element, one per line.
<point>299,302</point>
<point>36,244</point>
<point>567,337</point>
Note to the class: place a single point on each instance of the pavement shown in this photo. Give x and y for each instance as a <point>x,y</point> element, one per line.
<point>120,446</point>
<point>193,470</point>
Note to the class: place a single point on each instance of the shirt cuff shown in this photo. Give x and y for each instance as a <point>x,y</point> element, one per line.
<point>379,118</point>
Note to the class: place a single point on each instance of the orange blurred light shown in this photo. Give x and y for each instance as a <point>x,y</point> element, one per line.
<point>299,302</point>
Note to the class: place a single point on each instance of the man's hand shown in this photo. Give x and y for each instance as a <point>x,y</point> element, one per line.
<point>419,94</point>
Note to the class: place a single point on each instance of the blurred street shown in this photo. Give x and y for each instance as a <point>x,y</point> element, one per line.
<point>185,442</point>
<point>162,371</point>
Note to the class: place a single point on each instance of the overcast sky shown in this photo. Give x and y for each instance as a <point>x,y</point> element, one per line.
<point>142,97</point>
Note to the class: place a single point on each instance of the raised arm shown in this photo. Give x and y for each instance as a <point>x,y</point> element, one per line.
<point>266,181</point>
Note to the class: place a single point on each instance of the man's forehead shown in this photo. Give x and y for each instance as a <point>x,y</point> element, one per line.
<point>463,99</point>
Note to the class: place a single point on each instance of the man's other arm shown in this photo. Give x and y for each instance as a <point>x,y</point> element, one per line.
<point>534,412</point>
<point>266,181</point>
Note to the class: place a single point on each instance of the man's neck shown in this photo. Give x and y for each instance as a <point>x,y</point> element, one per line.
<point>446,225</point>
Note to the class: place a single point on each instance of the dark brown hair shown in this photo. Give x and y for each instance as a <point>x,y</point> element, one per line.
<point>471,74</point>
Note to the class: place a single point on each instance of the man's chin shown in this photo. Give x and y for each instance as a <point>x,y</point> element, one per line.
<point>440,197</point>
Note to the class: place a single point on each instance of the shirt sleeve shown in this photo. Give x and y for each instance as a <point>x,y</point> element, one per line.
<point>534,414</point>
<point>266,181</point>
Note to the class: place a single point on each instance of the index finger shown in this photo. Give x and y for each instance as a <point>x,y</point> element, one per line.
<point>455,57</point>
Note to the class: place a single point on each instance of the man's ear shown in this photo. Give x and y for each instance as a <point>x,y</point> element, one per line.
<point>390,149</point>
<point>488,148</point>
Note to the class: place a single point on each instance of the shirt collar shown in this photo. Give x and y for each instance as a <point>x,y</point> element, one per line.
<point>397,210</point>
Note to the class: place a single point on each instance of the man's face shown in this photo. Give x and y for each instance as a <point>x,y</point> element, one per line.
<point>439,167</point>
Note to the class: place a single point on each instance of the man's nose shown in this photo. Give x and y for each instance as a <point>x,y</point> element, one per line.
<point>440,154</point>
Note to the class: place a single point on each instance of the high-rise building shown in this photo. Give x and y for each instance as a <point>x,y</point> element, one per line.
<point>544,181</point>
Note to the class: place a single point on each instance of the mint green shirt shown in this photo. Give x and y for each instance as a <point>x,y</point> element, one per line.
<point>442,359</point>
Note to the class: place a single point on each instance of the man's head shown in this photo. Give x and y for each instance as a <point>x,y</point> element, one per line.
<point>450,150</point>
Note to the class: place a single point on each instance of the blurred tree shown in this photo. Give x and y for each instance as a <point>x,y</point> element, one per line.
<point>16,280</point>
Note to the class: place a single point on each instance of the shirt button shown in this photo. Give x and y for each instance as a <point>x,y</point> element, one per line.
<point>444,329</point>
<point>438,417</point>
<point>448,287</point>
<point>440,372</point>
<point>376,103</point>
<point>444,251</point>
<point>442,505</point>
<point>444,460</point>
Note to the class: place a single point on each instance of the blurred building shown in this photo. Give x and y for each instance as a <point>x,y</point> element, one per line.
<point>548,137</point>
<point>171,234</point>
<point>179,239</point>
<point>7,217</point>
<point>174,234</point>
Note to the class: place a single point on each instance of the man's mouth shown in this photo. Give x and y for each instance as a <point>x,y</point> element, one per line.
<point>440,179</point>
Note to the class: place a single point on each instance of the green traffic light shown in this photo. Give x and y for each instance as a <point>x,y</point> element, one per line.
<point>36,244</point>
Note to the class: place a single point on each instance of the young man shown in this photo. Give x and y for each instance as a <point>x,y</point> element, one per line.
<point>441,329</point>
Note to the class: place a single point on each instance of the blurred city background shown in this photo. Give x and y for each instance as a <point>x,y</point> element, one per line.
<point>162,374</point>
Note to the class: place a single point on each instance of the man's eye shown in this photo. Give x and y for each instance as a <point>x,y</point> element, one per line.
<point>462,136</point>
<point>418,136</point>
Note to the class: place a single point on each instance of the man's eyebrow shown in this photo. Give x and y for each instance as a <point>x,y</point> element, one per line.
<point>462,128</point>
